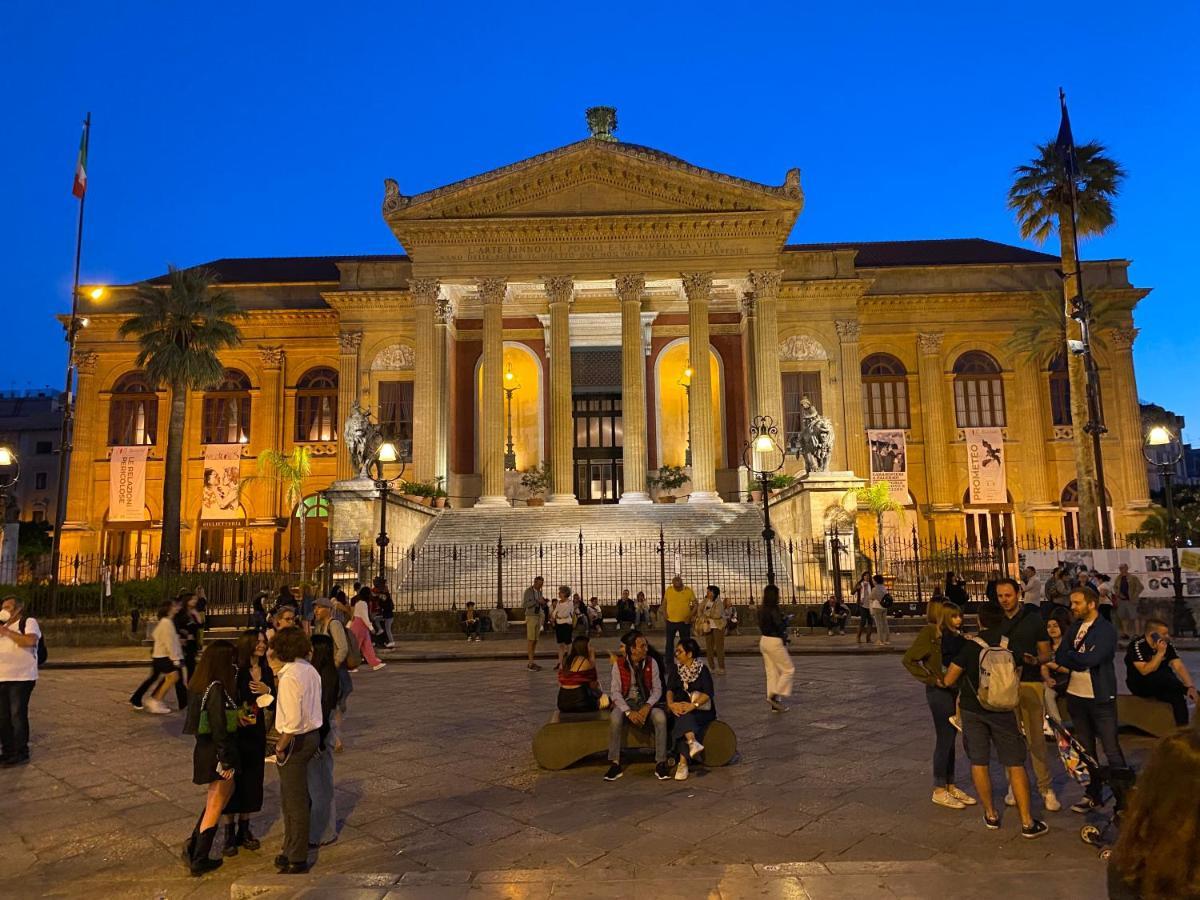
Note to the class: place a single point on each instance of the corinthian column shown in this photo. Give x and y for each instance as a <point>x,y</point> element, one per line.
<point>856,437</point>
<point>560,290</point>
<point>750,352</point>
<point>491,437</point>
<point>768,387</point>
<point>698,286</point>
<point>348,393</point>
<point>630,289</point>
<point>443,314</point>
<point>933,410</point>
<point>267,420</point>
<point>425,398</point>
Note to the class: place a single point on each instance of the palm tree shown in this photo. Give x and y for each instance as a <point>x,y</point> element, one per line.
<point>1040,197</point>
<point>289,471</point>
<point>1043,336</point>
<point>180,328</point>
<point>877,500</point>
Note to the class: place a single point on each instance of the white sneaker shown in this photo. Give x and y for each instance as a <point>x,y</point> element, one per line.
<point>943,797</point>
<point>390,646</point>
<point>960,795</point>
<point>1009,799</point>
<point>1051,801</point>
<point>157,707</point>
<point>378,666</point>
<point>681,770</point>
<point>695,748</point>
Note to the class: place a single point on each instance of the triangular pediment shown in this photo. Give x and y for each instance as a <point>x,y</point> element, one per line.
<point>595,177</point>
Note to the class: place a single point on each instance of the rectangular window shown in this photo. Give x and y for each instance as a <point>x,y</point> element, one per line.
<point>1060,398</point>
<point>979,402</point>
<point>39,481</point>
<point>316,417</point>
<point>886,403</point>
<point>797,386</point>
<point>396,415</point>
<point>132,421</point>
<point>44,448</point>
<point>226,420</point>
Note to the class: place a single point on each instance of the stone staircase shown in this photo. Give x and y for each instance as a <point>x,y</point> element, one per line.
<point>596,550</point>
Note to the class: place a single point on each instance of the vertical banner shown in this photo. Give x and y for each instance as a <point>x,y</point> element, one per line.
<point>222,470</point>
<point>127,484</point>
<point>889,461</point>
<point>986,465</point>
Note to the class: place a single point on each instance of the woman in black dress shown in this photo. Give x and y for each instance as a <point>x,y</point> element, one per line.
<point>254,679</point>
<point>212,717</point>
<point>690,698</point>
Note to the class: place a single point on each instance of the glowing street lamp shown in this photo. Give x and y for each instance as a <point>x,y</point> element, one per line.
<point>386,453</point>
<point>762,448</point>
<point>685,382</point>
<point>511,386</point>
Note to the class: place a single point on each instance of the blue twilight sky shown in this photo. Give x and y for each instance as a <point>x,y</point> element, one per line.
<point>266,129</point>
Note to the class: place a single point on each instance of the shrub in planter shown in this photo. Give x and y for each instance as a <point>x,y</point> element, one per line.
<point>668,480</point>
<point>536,481</point>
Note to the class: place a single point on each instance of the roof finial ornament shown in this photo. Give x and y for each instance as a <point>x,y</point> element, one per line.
<point>392,198</point>
<point>602,122</point>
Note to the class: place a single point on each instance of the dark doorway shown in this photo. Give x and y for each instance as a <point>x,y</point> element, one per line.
<point>599,438</point>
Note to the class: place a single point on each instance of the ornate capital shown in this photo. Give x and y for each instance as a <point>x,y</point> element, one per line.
<point>560,288</point>
<point>443,310</point>
<point>85,361</point>
<point>272,357</point>
<point>631,287</point>
<point>749,304</point>
<point>697,285</point>
<point>847,329</point>
<point>1123,337</point>
<point>350,341</point>
<point>930,342</point>
<point>424,290</point>
<point>766,283</point>
<point>492,290</point>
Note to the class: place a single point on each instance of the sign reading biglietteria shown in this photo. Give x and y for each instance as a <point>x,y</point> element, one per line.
<point>986,466</point>
<point>889,460</point>
<point>127,484</point>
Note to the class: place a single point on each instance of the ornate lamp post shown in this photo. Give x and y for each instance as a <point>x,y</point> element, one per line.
<point>511,386</point>
<point>386,453</point>
<point>760,451</point>
<point>1163,449</point>
<point>685,382</point>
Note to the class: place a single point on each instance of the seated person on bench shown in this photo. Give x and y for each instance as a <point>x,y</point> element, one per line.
<point>690,699</point>
<point>636,689</point>
<point>1155,671</point>
<point>834,615</point>
<point>578,683</point>
<point>470,621</point>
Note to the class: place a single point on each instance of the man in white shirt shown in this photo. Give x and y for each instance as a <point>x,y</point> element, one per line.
<point>298,720</point>
<point>1035,590</point>
<point>19,636</point>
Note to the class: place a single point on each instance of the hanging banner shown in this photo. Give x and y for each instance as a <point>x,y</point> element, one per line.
<point>889,461</point>
<point>127,484</point>
<point>986,466</point>
<point>222,470</point>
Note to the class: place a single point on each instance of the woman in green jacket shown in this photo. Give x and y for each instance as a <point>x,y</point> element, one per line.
<point>935,647</point>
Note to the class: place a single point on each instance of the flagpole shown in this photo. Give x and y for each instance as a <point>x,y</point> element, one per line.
<point>1082,313</point>
<point>68,416</point>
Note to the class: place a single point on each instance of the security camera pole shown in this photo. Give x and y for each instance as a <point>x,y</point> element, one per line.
<point>1081,312</point>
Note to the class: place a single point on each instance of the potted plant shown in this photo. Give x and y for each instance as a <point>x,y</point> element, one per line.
<point>781,481</point>
<point>411,491</point>
<point>439,494</point>
<point>669,478</point>
<point>536,481</point>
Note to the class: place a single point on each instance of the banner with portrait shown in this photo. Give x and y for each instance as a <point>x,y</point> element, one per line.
<point>127,484</point>
<point>222,472</point>
<point>889,461</point>
<point>986,466</point>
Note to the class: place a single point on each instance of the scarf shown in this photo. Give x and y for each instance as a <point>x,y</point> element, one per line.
<point>690,673</point>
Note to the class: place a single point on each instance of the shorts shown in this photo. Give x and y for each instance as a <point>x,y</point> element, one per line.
<point>564,634</point>
<point>533,626</point>
<point>984,730</point>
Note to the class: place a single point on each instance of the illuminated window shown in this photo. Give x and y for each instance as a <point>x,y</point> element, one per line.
<point>978,391</point>
<point>316,405</point>
<point>133,413</point>
<point>227,410</point>
<point>885,392</point>
<point>1060,391</point>
<point>396,415</point>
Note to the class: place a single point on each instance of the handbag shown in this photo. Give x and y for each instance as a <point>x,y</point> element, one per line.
<point>231,715</point>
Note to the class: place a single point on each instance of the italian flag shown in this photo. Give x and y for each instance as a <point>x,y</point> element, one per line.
<point>80,185</point>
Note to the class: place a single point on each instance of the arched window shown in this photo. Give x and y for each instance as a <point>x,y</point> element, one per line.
<point>133,413</point>
<point>885,391</point>
<point>316,405</point>
<point>978,391</point>
<point>1069,501</point>
<point>227,411</point>
<point>1060,390</point>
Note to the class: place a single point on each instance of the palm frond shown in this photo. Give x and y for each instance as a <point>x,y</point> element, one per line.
<point>877,499</point>
<point>1043,334</point>
<point>1041,190</point>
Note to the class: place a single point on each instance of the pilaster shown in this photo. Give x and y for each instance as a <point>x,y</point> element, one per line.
<point>560,291</point>
<point>1128,416</point>
<point>852,396</point>
<point>267,425</point>
<point>750,350</point>
<point>425,396</point>
<point>930,368</point>
<point>698,287</point>
<point>630,289</point>
<point>491,437</point>
<point>81,483</point>
<point>443,316</point>
<point>349,343</point>
<point>1032,399</point>
<point>767,379</point>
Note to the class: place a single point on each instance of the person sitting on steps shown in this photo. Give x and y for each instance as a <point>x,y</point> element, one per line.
<point>578,683</point>
<point>833,616</point>
<point>470,622</point>
<point>636,689</point>
<point>690,699</point>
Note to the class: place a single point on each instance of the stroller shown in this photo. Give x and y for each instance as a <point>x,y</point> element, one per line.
<point>1085,769</point>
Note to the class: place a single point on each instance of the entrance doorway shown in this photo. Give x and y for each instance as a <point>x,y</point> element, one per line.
<point>599,438</point>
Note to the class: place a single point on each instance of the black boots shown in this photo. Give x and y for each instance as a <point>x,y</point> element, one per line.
<point>197,850</point>
<point>245,838</point>
<point>231,841</point>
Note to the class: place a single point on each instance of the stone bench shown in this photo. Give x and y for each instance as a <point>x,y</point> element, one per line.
<point>570,737</point>
<point>1150,716</point>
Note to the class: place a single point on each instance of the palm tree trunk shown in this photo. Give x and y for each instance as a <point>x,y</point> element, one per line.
<point>1085,463</point>
<point>879,538</point>
<point>168,558</point>
<point>303,538</point>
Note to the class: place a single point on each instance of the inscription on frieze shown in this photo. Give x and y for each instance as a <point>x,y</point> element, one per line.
<point>622,249</point>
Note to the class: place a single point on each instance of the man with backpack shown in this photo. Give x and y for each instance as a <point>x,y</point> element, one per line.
<point>988,698</point>
<point>20,644</point>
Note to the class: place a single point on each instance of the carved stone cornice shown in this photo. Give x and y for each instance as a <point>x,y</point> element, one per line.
<point>492,290</point>
<point>560,289</point>
<point>1123,336</point>
<point>85,361</point>
<point>631,287</point>
<point>930,343</point>
<point>766,283</point>
<point>837,289</point>
<point>350,341</point>
<point>424,290</point>
<point>697,286</point>
<point>272,357</point>
<point>847,329</point>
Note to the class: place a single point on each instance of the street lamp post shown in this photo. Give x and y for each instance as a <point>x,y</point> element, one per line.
<point>685,382</point>
<point>1164,450</point>
<point>762,444</point>
<point>511,385</point>
<point>386,453</point>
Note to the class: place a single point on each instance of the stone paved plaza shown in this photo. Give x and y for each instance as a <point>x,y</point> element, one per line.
<point>442,798</point>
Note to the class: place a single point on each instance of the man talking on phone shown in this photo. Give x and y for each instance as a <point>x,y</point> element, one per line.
<point>1154,670</point>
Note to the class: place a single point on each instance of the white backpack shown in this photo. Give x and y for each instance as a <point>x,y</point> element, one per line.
<point>999,687</point>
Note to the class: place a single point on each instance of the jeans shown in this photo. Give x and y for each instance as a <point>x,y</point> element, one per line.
<point>1093,719</point>
<point>386,622</point>
<point>714,648</point>
<point>322,826</point>
<point>675,630</point>
<point>778,665</point>
<point>14,718</point>
<point>1031,709</point>
<point>942,703</point>
<point>616,733</point>
<point>881,622</point>
<point>293,796</point>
